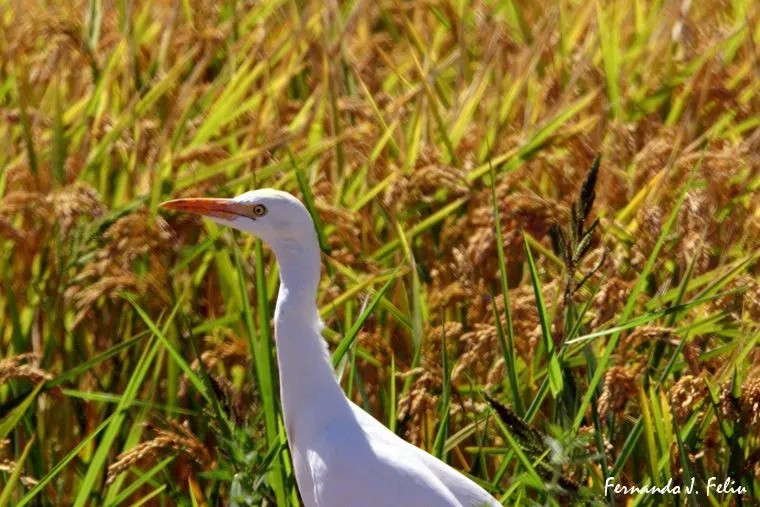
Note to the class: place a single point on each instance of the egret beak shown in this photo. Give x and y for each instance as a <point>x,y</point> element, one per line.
<point>226,209</point>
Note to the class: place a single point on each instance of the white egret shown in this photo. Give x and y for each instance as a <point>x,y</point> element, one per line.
<point>342,456</point>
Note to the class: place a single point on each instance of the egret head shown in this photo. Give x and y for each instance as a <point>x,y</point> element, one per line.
<point>275,216</point>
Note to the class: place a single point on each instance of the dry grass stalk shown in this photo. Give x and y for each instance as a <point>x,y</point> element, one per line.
<point>45,218</point>
<point>180,440</point>
<point>620,387</point>
<point>21,367</point>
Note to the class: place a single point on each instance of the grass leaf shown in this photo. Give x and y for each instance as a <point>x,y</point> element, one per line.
<point>555,372</point>
<point>11,420</point>
<point>13,479</point>
<point>350,336</point>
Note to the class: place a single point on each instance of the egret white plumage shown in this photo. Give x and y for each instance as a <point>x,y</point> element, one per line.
<point>342,456</point>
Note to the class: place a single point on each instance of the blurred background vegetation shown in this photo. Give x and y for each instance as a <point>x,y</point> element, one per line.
<point>449,138</point>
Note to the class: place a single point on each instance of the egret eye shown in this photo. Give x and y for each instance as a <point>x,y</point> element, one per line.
<point>259,210</point>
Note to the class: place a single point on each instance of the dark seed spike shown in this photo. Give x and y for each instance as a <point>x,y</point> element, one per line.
<point>532,439</point>
<point>568,257</point>
<point>564,249</point>
<point>516,424</point>
<point>555,234</point>
<point>588,193</point>
<point>569,484</point>
<point>576,225</point>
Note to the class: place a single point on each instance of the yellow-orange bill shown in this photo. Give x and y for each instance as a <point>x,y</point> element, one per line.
<point>226,209</point>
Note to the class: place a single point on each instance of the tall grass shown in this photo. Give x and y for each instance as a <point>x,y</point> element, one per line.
<point>543,319</point>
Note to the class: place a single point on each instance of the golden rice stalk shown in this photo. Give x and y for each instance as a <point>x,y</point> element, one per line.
<point>620,386</point>
<point>207,154</point>
<point>179,440</point>
<point>19,367</point>
<point>685,394</point>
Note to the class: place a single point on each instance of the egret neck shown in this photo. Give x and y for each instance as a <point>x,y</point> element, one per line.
<point>311,395</point>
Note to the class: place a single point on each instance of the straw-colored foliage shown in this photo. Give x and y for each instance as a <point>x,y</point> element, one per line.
<point>407,124</point>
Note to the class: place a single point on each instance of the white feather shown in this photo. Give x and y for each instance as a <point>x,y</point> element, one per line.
<point>342,456</point>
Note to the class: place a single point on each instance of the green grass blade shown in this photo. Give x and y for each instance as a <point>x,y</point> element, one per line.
<point>98,463</point>
<point>147,498</point>
<point>649,317</point>
<point>540,137</point>
<point>86,365</point>
<point>348,340</point>
<point>555,372</point>
<point>686,465</point>
<point>308,198</point>
<point>628,446</point>
<point>113,398</point>
<point>609,38</point>
<point>659,347</point>
<point>422,226</point>
<point>24,96</point>
<point>261,350</point>
<point>163,86</point>
<point>53,473</point>
<point>11,420</point>
<point>173,352</point>
<point>508,346</point>
<point>443,425</point>
<point>10,485</point>
<point>58,148</point>
<point>141,479</point>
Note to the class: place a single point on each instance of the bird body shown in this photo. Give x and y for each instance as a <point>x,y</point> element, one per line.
<point>354,463</point>
<point>342,456</point>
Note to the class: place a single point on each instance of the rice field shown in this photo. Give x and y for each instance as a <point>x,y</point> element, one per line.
<point>539,223</point>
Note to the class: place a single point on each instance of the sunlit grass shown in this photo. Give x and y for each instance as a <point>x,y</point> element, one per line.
<point>440,147</point>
